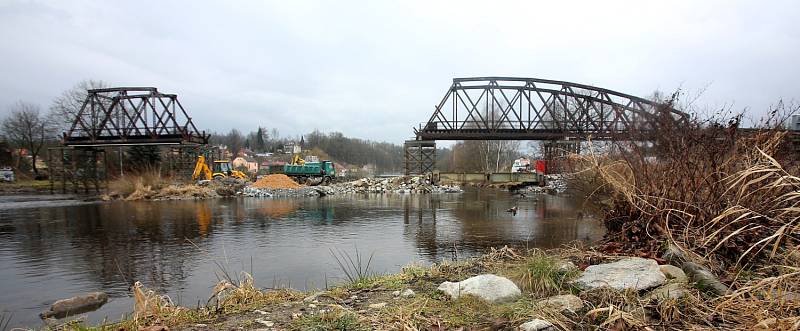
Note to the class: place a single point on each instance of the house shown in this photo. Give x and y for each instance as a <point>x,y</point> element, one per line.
<point>292,148</point>
<point>244,152</point>
<point>246,162</point>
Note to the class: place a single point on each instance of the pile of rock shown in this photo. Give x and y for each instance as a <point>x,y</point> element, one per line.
<point>554,184</point>
<point>304,191</point>
<point>401,184</point>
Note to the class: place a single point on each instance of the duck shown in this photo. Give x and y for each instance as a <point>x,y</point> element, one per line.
<point>512,210</point>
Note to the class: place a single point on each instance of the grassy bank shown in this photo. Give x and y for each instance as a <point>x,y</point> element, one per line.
<point>371,302</point>
<point>23,186</point>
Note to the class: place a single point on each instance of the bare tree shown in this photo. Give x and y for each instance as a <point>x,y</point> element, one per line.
<point>25,127</point>
<point>66,106</point>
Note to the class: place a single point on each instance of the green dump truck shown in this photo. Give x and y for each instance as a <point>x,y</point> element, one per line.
<point>312,173</point>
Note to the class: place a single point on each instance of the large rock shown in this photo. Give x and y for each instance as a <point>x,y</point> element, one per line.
<point>674,254</point>
<point>672,291</point>
<point>673,272</point>
<point>537,325</point>
<point>75,305</point>
<point>563,303</point>
<point>630,273</point>
<point>490,288</point>
<point>704,279</point>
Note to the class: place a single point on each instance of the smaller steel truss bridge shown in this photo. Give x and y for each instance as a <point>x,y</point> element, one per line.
<point>132,116</point>
<point>500,108</point>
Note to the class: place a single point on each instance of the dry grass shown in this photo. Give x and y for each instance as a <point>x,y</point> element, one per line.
<point>150,185</point>
<point>761,303</point>
<point>730,200</point>
<point>138,185</point>
<point>726,195</point>
<point>542,274</point>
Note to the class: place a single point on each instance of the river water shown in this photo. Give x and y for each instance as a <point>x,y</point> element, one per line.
<point>54,247</point>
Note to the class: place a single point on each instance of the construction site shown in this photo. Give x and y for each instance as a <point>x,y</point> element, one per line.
<point>316,166</point>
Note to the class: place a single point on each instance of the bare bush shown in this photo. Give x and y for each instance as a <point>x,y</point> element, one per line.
<point>726,194</point>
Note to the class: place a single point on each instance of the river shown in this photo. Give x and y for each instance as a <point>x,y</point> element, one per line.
<point>54,247</point>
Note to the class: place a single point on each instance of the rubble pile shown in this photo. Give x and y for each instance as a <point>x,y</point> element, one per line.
<point>401,184</point>
<point>555,184</point>
<point>302,191</point>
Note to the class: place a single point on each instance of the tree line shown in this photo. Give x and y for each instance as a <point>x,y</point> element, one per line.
<point>27,126</point>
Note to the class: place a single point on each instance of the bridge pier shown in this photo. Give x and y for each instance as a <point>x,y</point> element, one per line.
<point>555,153</point>
<point>420,156</point>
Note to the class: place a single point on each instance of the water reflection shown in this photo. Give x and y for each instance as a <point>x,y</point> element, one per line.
<point>179,247</point>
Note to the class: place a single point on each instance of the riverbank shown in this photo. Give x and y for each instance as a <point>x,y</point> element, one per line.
<point>571,288</point>
<point>25,187</point>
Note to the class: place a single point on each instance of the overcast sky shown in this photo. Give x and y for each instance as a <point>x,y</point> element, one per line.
<point>374,69</point>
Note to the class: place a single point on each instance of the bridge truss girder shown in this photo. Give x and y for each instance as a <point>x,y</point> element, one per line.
<point>131,116</point>
<point>508,108</point>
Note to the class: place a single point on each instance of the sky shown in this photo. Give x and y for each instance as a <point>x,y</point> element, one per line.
<point>375,69</point>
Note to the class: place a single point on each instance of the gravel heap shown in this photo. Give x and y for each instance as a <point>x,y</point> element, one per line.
<point>276,181</point>
<point>402,184</point>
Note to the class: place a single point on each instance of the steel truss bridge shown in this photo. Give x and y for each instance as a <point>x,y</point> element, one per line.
<point>132,116</point>
<point>510,108</point>
<point>122,116</point>
<point>513,108</point>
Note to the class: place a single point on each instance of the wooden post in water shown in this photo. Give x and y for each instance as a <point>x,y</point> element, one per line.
<point>63,173</point>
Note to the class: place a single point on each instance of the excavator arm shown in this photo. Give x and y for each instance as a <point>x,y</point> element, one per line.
<point>201,169</point>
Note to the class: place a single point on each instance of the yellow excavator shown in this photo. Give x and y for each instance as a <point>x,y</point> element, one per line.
<point>221,169</point>
<point>297,160</point>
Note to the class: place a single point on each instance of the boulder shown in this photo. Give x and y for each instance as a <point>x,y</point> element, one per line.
<point>672,291</point>
<point>488,287</point>
<point>674,254</point>
<point>629,273</point>
<point>537,325</point>
<point>75,305</point>
<point>566,266</point>
<point>378,305</point>
<point>563,303</point>
<point>673,272</point>
<point>704,279</point>
<point>407,293</point>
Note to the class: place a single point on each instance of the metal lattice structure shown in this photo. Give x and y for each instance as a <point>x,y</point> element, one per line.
<point>132,116</point>
<point>420,156</point>
<point>508,108</point>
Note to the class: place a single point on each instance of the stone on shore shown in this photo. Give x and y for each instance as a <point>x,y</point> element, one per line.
<point>673,272</point>
<point>378,305</point>
<point>630,273</point>
<point>75,305</point>
<point>488,287</point>
<point>672,291</point>
<point>704,279</point>
<point>563,303</point>
<point>537,325</point>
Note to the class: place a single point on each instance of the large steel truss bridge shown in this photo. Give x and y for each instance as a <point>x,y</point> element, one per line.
<point>510,108</point>
<point>132,116</point>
